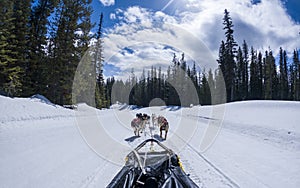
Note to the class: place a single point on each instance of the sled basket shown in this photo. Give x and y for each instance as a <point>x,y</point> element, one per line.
<point>151,164</point>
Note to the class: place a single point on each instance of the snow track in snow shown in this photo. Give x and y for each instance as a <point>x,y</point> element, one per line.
<point>210,174</point>
<point>95,178</point>
<point>206,175</point>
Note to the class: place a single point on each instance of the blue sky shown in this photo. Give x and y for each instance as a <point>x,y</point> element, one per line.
<point>142,33</point>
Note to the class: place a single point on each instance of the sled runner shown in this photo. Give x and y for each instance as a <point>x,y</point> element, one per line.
<point>151,164</point>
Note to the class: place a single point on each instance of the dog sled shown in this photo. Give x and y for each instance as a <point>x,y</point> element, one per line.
<point>151,164</point>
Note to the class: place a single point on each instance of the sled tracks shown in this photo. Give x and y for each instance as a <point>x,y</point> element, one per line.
<point>202,171</point>
<point>96,177</point>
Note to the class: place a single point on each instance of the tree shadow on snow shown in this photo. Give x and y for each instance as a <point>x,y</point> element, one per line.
<point>171,108</point>
<point>129,107</point>
<point>131,139</point>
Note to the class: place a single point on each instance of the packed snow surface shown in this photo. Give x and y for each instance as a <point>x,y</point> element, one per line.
<point>43,145</point>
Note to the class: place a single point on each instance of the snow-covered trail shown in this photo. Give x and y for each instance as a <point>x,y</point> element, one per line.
<point>43,146</point>
<point>201,171</point>
<point>44,153</point>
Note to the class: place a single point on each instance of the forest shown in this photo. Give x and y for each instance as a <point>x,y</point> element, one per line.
<point>43,41</point>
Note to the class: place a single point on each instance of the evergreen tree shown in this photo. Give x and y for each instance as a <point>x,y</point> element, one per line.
<point>64,52</point>
<point>108,88</point>
<point>260,76</point>
<point>167,86</point>
<point>143,100</point>
<point>13,46</point>
<point>160,83</point>
<point>254,76</point>
<point>36,72</point>
<point>132,87</point>
<point>84,35</point>
<point>10,70</point>
<point>270,79</point>
<point>101,100</point>
<point>228,53</point>
<point>295,77</point>
<point>21,31</point>
<point>245,74</point>
<point>283,77</point>
<point>188,72</point>
<point>205,91</point>
<point>239,84</point>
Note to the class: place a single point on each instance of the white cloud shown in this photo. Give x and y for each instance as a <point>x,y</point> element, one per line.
<point>112,16</point>
<point>107,2</point>
<point>197,31</point>
<point>262,25</point>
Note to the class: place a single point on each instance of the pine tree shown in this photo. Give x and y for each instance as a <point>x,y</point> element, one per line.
<point>188,72</point>
<point>160,84</point>
<point>239,84</point>
<point>270,79</point>
<point>21,31</point>
<point>205,90</point>
<point>295,77</point>
<point>254,76</point>
<point>167,86</point>
<point>64,53</point>
<point>228,53</point>
<point>260,76</point>
<point>283,77</point>
<point>98,58</point>
<point>36,72</point>
<point>84,29</point>
<point>142,92</point>
<point>245,74</point>
<point>194,74</point>
<point>14,40</point>
<point>10,69</point>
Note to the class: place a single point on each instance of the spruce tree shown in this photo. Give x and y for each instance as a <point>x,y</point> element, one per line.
<point>205,93</point>
<point>228,53</point>
<point>194,75</point>
<point>295,77</point>
<point>21,31</point>
<point>254,76</point>
<point>239,84</point>
<point>245,73</point>
<point>283,77</point>
<point>98,58</point>
<point>260,76</point>
<point>37,70</point>
<point>270,79</point>
<point>167,86</point>
<point>10,68</point>
<point>65,54</point>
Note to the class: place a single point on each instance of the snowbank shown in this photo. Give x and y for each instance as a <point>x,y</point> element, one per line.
<point>35,108</point>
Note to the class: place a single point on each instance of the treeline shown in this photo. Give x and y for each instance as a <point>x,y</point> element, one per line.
<point>180,85</point>
<point>256,75</point>
<point>42,42</point>
<point>248,75</point>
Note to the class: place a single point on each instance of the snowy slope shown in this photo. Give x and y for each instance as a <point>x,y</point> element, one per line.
<point>42,146</point>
